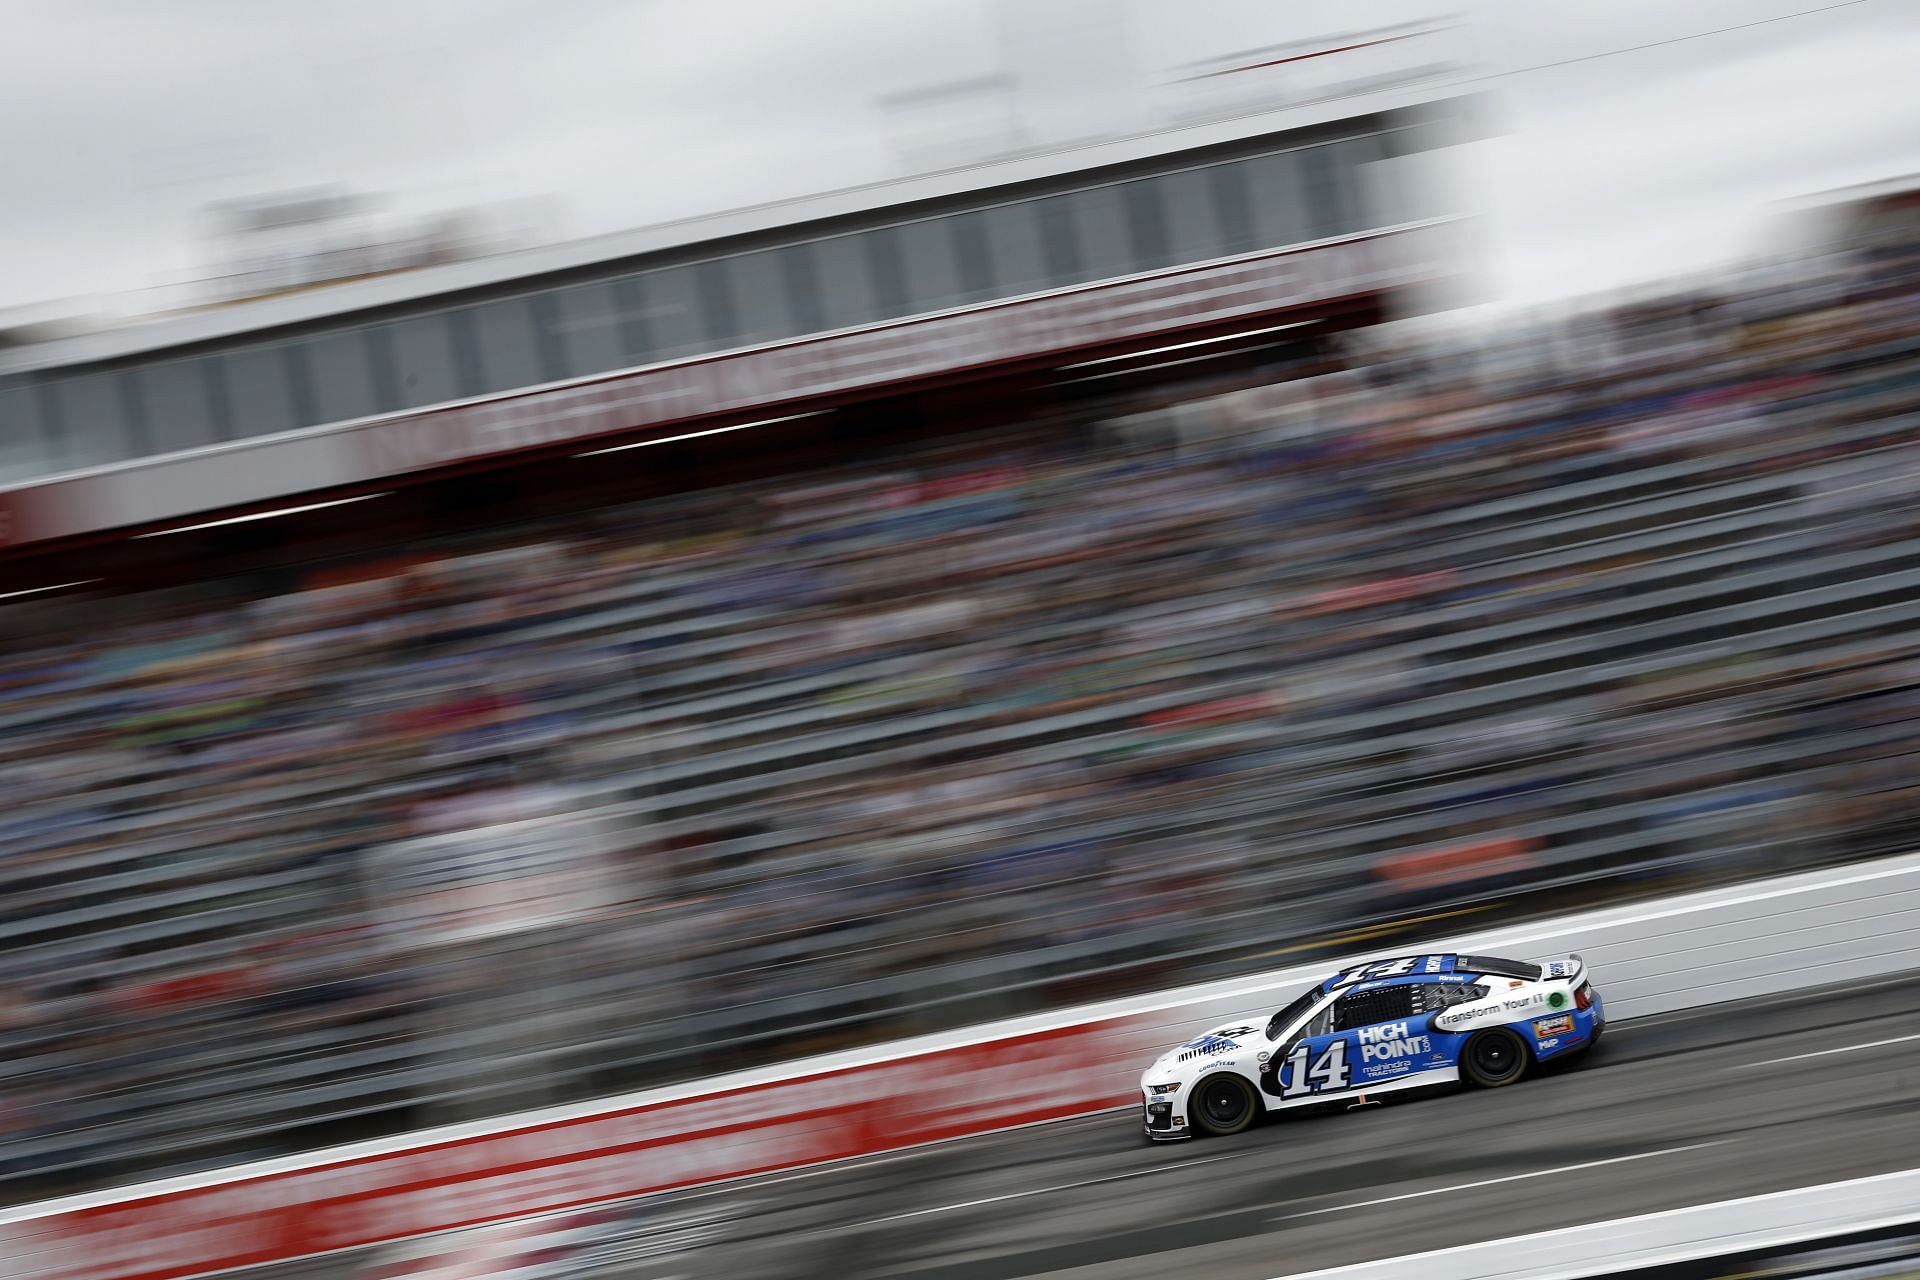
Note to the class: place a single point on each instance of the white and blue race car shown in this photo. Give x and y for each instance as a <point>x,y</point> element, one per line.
<point>1379,1027</point>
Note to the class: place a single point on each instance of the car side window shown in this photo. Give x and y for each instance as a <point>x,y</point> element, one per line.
<point>1322,1021</point>
<point>1364,1008</point>
<point>1435,996</point>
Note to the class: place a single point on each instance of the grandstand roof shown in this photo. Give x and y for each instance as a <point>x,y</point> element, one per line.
<point>501,272</point>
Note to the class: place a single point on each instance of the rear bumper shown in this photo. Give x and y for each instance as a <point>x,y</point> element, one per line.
<point>1564,1033</point>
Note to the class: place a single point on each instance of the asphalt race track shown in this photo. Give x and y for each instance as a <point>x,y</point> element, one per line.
<point>1676,1110</point>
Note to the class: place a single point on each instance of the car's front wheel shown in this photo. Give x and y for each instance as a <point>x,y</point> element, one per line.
<point>1493,1058</point>
<point>1223,1104</point>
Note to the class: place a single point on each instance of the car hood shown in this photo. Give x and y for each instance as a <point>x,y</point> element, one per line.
<point>1227,1038</point>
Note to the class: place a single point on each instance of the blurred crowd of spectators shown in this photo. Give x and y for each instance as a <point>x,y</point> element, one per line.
<point>962,731</point>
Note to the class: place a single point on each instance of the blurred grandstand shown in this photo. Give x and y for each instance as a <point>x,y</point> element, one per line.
<point>498,791</point>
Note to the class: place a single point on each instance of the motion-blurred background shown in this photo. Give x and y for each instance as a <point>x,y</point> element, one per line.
<point>1208,484</point>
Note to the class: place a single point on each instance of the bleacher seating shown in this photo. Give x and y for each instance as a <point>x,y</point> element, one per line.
<point>968,731</point>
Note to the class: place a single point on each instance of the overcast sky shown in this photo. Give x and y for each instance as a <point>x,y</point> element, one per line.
<point>119,119</point>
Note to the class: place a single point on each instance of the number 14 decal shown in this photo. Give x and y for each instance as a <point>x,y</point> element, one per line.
<point>1329,1070</point>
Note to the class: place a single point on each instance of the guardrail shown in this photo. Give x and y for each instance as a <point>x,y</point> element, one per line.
<point>1701,948</point>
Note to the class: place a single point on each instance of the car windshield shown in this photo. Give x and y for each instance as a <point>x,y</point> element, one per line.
<point>1292,1013</point>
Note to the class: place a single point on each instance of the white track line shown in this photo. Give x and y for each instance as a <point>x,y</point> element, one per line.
<point>1821,1053</point>
<point>1881,1200</point>
<point>1041,1191</point>
<point>1492,1182</point>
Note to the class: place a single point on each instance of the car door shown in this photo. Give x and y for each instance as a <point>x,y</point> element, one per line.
<point>1369,1035</point>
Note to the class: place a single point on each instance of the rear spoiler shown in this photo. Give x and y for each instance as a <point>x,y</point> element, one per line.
<point>1494,967</point>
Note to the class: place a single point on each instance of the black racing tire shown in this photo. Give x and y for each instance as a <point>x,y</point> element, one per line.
<point>1222,1104</point>
<point>1494,1058</point>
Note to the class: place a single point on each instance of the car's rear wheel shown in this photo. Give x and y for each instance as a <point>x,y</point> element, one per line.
<point>1493,1058</point>
<point>1222,1104</point>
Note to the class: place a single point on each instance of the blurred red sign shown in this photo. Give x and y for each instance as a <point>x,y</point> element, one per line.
<point>1386,591</point>
<point>593,1155</point>
<point>1458,864</point>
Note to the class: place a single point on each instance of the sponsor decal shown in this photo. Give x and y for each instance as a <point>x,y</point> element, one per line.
<point>1522,1002</point>
<point>1234,1033</point>
<point>1461,1017</point>
<point>1434,962</point>
<point>1560,1026</point>
<point>1392,1041</point>
<point>1558,1000</point>
<point>1546,1045</point>
<point>1208,1044</point>
<point>1515,982</point>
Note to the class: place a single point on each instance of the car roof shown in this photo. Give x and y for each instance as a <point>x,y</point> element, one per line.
<point>1390,970</point>
<point>1416,967</point>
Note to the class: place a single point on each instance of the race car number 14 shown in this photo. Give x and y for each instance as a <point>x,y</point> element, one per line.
<point>1329,1070</point>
